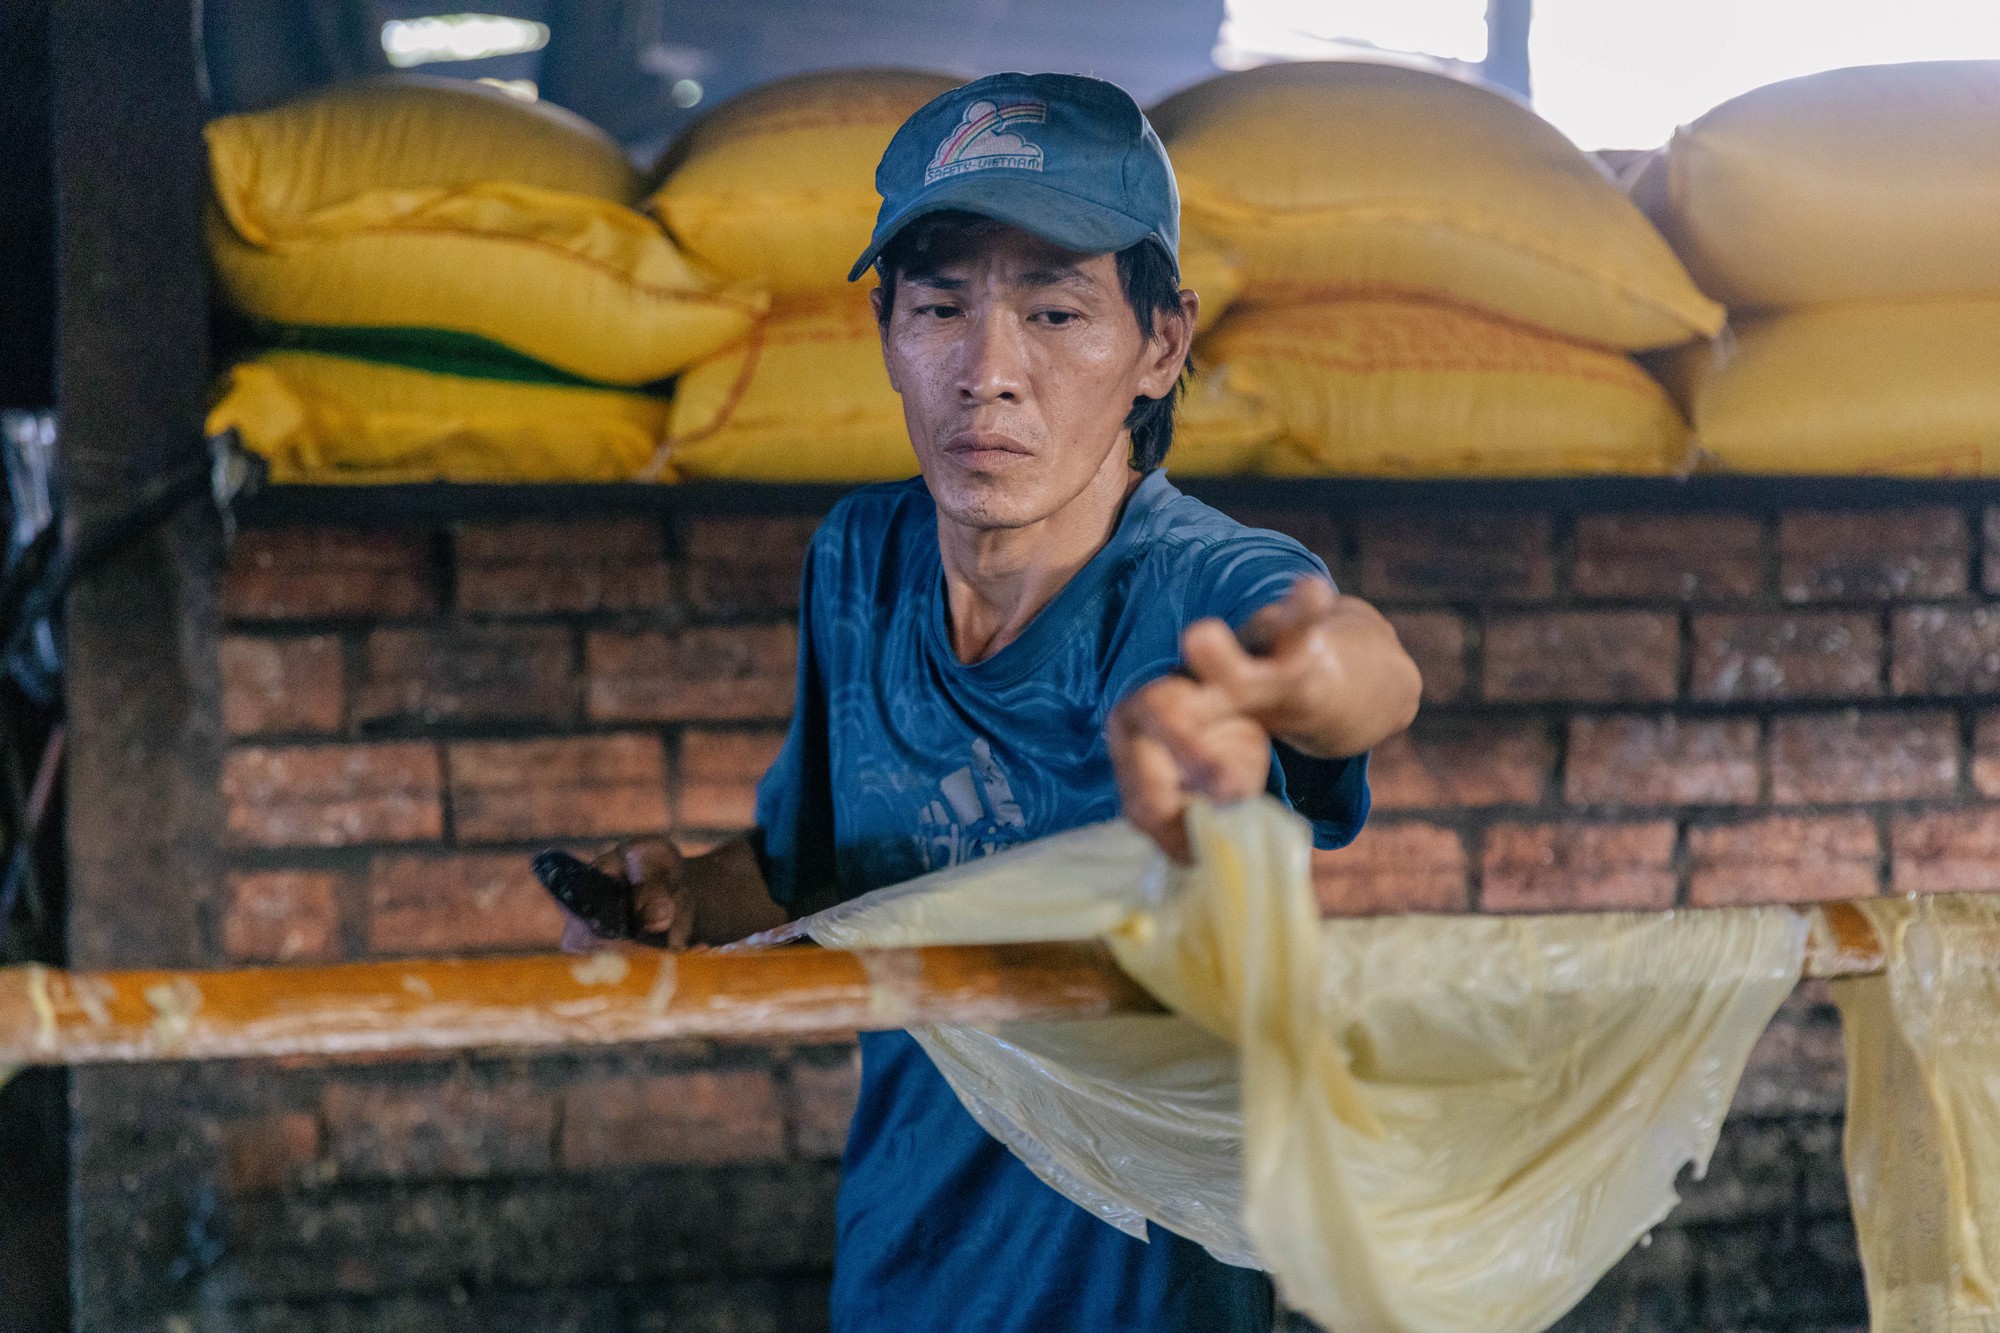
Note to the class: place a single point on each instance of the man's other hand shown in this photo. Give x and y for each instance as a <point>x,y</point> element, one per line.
<point>663,911</point>
<point>1320,671</point>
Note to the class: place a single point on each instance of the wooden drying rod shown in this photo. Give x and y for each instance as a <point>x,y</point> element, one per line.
<point>48,1016</point>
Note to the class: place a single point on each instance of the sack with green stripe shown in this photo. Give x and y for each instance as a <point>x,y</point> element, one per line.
<point>436,413</point>
<point>443,205</point>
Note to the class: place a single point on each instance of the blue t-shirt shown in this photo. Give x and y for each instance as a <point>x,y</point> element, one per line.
<point>900,760</point>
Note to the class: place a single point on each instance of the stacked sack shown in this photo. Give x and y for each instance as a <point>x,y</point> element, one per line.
<point>1851,222</point>
<point>777,187</point>
<point>1434,282</point>
<point>452,285</point>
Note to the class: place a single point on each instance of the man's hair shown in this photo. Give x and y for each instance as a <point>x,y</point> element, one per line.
<point>1145,272</point>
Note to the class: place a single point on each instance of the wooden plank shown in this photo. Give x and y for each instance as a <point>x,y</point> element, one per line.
<point>49,1016</point>
<point>144,769</point>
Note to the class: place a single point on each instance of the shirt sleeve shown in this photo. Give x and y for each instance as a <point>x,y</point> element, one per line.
<point>1241,578</point>
<point>794,839</point>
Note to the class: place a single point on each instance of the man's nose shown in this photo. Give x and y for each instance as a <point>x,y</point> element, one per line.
<point>993,361</point>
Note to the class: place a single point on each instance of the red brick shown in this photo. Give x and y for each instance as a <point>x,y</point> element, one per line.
<point>1572,867</point>
<point>1986,754</point>
<point>747,564</point>
<point>574,787</point>
<point>1582,657</point>
<point>270,1153</point>
<point>1784,859</point>
<point>328,574</point>
<point>705,1117</point>
<point>1480,557</point>
<point>333,795</point>
<point>469,673</point>
<point>535,568</point>
<point>1706,556</point>
<point>1872,554</point>
<point>1447,763</point>
<point>1990,574</point>
<point>1436,640</point>
<point>456,1129</point>
<point>1946,650</point>
<point>821,1103</point>
<point>281,685</point>
<point>719,775</point>
<point>1787,655</point>
<point>1393,867</point>
<point>428,903</point>
<point>1661,761</point>
<point>282,916</point>
<point>695,675</point>
<point>1956,851</point>
<point>1854,756</point>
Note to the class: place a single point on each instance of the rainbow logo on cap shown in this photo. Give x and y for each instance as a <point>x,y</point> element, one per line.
<point>985,139</point>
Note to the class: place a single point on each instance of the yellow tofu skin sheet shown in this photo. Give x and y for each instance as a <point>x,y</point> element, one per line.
<point>1414,1123</point>
<point>1923,1115</point>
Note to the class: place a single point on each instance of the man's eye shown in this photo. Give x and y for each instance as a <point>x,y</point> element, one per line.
<point>938,311</point>
<point>1057,318</point>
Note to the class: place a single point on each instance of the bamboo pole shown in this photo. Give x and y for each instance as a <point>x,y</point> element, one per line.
<point>49,1016</point>
<point>53,1017</point>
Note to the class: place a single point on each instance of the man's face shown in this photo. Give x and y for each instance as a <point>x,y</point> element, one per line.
<point>1017,362</point>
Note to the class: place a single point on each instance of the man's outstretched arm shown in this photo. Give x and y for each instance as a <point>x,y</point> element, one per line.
<point>1320,671</point>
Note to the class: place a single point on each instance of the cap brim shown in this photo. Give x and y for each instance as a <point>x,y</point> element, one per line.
<point>1056,216</point>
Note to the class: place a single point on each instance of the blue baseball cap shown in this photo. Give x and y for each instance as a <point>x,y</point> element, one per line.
<point>1071,159</point>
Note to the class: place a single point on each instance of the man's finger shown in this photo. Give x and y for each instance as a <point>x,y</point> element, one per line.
<point>1286,621</point>
<point>1150,791</point>
<point>1215,658</point>
<point>578,937</point>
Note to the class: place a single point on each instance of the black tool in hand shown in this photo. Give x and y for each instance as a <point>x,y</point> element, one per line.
<point>602,902</point>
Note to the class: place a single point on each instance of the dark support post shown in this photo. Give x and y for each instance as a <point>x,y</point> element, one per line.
<point>1507,44</point>
<point>145,749</point>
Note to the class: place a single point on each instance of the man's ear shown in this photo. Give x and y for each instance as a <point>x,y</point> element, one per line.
<point>1172,341</point>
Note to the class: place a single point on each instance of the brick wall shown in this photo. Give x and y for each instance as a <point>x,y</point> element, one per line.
<point>1635,710</point>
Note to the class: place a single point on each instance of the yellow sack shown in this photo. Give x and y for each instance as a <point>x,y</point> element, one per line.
<point>1220,432</point>
<point>414,205</point>
<point>1876,183</point>
<point>319,418</point>
<point>1353,179</point>
<point>1416,1124</point>
<point>1376,388</point>
<point>1923,1115</point>
<point>777,185</point>
<point>1214,273</point>
<point>1909,390</point>
<point>805,399</point>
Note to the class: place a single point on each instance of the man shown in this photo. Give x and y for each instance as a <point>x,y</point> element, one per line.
<point>1038,633</point>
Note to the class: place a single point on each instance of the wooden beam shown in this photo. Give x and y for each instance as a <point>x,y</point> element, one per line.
<point>53,1017</point>
<point>48,1016</point>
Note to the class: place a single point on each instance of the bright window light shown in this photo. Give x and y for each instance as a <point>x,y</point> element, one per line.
<point>1624,73</point>
<point>1256,32</point>
<point>440,37</point>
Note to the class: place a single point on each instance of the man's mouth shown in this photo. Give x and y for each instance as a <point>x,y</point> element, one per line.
<point>983,449</point>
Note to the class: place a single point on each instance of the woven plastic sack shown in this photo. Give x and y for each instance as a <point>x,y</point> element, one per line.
<point>1923,1115</point>
<point>1342,178</point>
<point>1415,1123</point>
<point>319,418</point>
<point>806,398</point>
<point>777,185</point>
<point>1903,389</point>
<point>1397,389</point>
<point>434,205</point>
<point>1875,183</point>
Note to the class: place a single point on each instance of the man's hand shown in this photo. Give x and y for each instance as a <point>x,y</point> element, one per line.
<point>679,902</point>
<point>1320,671</point>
